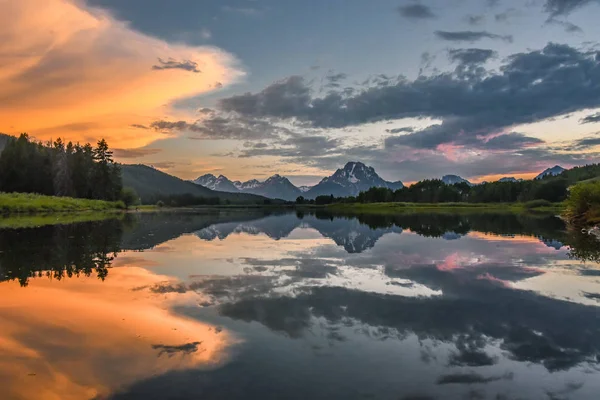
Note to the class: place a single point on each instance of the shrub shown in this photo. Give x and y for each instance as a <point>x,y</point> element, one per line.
<point>160,204</point>
<point>583,203</point>
<point>537,203</point>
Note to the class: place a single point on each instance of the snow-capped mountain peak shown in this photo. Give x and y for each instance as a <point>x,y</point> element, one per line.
<point>556,170</point>
<point>454,179</point>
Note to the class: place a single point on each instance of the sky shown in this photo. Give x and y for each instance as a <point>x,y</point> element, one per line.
<point>251,88</point>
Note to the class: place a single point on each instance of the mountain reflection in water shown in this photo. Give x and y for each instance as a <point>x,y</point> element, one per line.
<point>254,304</point>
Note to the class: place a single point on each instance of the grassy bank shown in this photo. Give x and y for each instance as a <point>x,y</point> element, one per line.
<point>27,203</point>
<point>394,208</point>
<point>36,220</point>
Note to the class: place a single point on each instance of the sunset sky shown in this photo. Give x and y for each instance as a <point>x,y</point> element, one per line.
<point>250,88</point>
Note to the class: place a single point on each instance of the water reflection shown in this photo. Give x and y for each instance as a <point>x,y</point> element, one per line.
<point>308,305</point>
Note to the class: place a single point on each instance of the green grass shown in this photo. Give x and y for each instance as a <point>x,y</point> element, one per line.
<point>393,208</point>
<point>27,203</point>
<point>37,220</point>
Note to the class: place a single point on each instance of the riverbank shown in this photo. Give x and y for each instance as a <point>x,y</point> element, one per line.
<point>28,203</point>
<point>394,208</point>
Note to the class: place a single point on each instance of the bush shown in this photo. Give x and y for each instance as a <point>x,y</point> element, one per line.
<point>537,203</point>
<point>160,204</point>
<point>129,197</point>
<point>583,203</point>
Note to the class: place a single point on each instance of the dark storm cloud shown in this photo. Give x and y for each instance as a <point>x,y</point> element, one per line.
<point>471,36</point>
<point>135,153</point>
<point>564,7</point>
<point>471,56</point>
<point>416,11</point>
<point>186,65</point>
<point>528,87</point>
<point>592,118</point>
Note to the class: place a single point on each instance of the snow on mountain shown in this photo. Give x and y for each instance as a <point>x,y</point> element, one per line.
<point>304,189</point>
<point>453,179</point>
<point>349,181</point>
<point>509,179</point>
<point>248,185</point>
<point>220,183</point>
<point>556,170</point>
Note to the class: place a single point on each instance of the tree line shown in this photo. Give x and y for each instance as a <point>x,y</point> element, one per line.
<point>60,169</point>
<point>436,191</point>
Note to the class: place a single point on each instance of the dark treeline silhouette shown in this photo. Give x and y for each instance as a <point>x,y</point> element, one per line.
<point>59,169</point>
<point>436,191</point>
<point>58,251</point>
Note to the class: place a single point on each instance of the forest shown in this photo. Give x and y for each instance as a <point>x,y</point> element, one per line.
<point>60,169</point>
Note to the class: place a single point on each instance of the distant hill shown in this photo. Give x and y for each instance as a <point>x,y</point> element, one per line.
<point>556,170</point>
<point>150,184</point>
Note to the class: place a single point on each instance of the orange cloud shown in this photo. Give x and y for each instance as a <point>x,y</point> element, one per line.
<point>73,71</point>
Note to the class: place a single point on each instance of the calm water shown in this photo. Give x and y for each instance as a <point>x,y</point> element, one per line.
<point>228,305</point>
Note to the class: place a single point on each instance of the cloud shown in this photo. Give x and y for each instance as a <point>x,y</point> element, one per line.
<point>511,141</point>
<point>564,7</point>
<point>134,153</point>
<point>333,79</point>
<point>506,15</point>
<point>416,11</point>
<point>469,378</point>
<point>471,56</point>
<point>408,129</point>
<point>475,19</point>
<point>298,146</point>
<point>66,51</point>
<point>205,33</point>
<point>471,36</point>
<point>587,142</point>
<point>592,118</point>
<point>139,126</point>
<point>171,350</point>
<point>568,26</point>
<point>528,87</point>
<point>247,11</point>
<point>185,65</point>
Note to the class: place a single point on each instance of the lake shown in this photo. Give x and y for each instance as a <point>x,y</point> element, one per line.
<point>229,304</point>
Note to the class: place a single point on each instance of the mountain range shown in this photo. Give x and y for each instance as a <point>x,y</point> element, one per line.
<point>348,181</point>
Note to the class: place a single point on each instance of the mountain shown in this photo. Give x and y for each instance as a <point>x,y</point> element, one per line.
<point>276,187</point>
<point>509,179</point>
<point>556,170</point>
<point>151,184</point>
<point>304,189</point>
<point>453,179</point>
<point>220,183</point>
<point>354,178</point>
